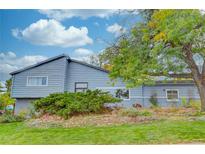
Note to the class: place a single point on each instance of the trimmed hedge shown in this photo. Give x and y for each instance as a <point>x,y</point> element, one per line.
<point>67,104</point>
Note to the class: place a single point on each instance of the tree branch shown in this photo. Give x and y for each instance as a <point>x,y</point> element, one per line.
<point>191,63</point>
<point>203,71</point>
<point>173,75</point>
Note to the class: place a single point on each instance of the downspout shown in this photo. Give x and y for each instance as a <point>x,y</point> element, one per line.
<point>66,75</point>
<point>11,93</point>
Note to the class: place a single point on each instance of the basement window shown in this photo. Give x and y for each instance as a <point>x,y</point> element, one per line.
<point>118,92</point>
<point>81,86</point>
<point>172,95</point>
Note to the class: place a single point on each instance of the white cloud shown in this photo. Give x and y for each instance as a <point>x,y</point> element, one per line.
<point>85,55</point>
<point>116,29</point>
<point>83,52</point>
<point>10,62</point>
<point>53,33</point>
<point>81,13</point>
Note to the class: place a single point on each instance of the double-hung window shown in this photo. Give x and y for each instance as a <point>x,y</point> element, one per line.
<point>37,81</point>
<point>172,95</point>
<point>81,86</point>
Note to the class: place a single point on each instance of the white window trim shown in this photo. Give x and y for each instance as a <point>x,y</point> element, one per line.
<point>37,85</point>
<point>80,88</point>
<point>171,100</point>
<point>117,88</point>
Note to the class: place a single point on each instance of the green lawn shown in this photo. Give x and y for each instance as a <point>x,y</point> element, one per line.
<point>161,132</point>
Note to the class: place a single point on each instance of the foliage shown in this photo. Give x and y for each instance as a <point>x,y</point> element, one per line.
<point>147,13</point>
<point>195,104</point>
<point>107,67</point>
<point>153,100</point>
<point>1,87</point>
<point>184,102</point>
<point>165,45</point>
<point>95,60</point>
<point>9,117</point>
<point>156,47</point>
<point>68,104</point>
<point>5,100</point>
<point>133,112</point>
<point>199,113</point>
<point>8,85</point>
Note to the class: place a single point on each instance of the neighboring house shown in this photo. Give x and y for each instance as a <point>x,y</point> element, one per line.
<point>61,73</point>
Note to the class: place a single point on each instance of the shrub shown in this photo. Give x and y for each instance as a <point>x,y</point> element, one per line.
<point>184,102</point>
<point>9,117</point>
<point>133,112</point>
<point>67,104</point>
<point>5,100</point>
<point>195,104</point>
<point>153,100</point>
<point>199,113</point>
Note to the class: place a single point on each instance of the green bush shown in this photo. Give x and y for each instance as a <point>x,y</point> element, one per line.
<point>5,100</point>
<point>67,104</point>
<point>184,102</point>
<point>133,112</point>
<point>9,117</point>
<point>195,104</point>
<point>153,100</point>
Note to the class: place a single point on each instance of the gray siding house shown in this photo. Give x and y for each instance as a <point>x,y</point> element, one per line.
<point>61,74</point>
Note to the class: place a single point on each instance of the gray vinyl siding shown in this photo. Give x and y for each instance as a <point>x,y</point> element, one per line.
<point>96,79</point>
<point>80,73</point>
<point>23,104</point>
<point>185,91</point>
<point>55,70</point>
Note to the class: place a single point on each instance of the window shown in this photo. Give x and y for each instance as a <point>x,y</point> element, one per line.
<point>119,92</point>
<point>37,81</point>
<point>81,86</point>
<point>172,95</point>
<point>122,93</point>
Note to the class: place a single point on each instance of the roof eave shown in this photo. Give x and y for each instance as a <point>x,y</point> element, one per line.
<point>89,65</point>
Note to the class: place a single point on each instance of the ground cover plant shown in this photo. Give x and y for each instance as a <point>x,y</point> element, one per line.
<point>118,116</point>
<point>9,117</point>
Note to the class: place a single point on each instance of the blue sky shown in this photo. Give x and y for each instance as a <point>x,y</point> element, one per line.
<point>29,36</point>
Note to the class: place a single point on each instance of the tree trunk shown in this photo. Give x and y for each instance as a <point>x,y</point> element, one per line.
<point>201,89</point>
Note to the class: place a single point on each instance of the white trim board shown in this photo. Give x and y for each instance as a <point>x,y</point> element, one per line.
<point>170,100</point>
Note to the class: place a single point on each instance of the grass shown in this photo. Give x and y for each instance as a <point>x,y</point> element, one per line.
<point>159,132</point>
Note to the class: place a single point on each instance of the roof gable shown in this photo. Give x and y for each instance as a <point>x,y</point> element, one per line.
<point>55,58</point>
<point>40,63</point>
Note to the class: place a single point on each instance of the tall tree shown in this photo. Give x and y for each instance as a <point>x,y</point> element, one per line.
<point>166,45</point>
<point>94,60</point>
<point>8,85</point>
<point>1,87</point>
<point>147,14</point>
